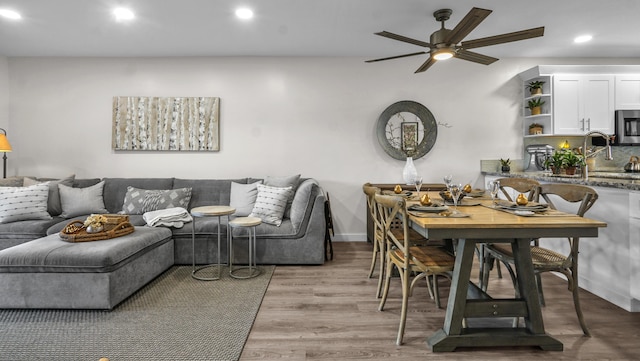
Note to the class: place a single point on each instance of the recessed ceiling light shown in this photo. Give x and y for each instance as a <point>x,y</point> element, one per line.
<point>10,14</point>
<point>244,13</point>
<point>582,39</point>
<point>123,14</point>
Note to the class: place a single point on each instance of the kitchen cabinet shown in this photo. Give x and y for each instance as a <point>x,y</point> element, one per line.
<point>627,91</point>
<point>634,243</point>
<point>583,103</point>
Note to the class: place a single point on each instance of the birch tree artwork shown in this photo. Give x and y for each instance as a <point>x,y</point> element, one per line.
<point>158,123</point>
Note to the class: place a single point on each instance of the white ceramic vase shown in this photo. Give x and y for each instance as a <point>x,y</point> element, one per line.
<point>409,173</point>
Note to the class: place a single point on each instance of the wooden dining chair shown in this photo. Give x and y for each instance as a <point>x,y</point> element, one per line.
<point>425,261</point>
<point>508,185</point>
<point>546,260</point>
<point>379,245</point>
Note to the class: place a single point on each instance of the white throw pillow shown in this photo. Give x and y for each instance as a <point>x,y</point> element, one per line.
<point>271,203</point>
<point>22,203</point>
<point>81,201</point>
<point>288,181</point>
<point>243,197</point>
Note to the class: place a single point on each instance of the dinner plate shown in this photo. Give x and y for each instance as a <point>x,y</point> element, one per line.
<point>476,193</point>
<point>431,208</point>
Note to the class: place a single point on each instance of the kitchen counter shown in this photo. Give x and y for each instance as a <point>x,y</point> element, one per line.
<point>620,180</point>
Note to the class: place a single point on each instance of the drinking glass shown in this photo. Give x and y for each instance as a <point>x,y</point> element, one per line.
<point>418,183</point>
<point>494,188</point>
<point>447,180</point>
<point>455,191</point>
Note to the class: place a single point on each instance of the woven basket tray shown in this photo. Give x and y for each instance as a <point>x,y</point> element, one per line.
<point>117,225</point>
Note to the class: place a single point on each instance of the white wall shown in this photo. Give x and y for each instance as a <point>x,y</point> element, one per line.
<point>4,92</point>
<point>279,116</point>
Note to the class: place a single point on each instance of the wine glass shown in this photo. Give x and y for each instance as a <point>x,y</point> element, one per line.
<point>455,190</point>
<point>494,188</point>
<point>447,180</point>
<point>418,183</point>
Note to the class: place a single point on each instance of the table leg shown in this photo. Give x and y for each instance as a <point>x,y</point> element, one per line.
<point>195,270</point>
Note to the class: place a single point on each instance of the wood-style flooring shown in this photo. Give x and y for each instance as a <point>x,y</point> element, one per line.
<point>330,312</point>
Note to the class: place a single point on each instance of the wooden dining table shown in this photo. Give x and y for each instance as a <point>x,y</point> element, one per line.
<point>466,300</point>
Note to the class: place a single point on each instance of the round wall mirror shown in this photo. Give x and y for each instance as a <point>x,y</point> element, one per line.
<point>407,129</point>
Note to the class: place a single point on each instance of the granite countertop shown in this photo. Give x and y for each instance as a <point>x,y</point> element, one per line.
<point>629,181</point>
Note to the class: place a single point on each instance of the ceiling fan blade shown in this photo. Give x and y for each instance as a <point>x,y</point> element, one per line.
<point>393,36</point>
<point>504,38</point>
<point>395,57</point>
<point>475,57</point>
<point>473,18</point>
<point>426,65</point>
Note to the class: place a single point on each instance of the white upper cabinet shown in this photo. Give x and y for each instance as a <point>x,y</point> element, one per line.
<point>627,91</point>
<point>583,103</point>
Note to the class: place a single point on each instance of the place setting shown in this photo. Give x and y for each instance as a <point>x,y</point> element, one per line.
<point>433,208</point>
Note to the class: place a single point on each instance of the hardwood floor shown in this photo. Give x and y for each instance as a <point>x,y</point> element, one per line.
<point>330,312</point>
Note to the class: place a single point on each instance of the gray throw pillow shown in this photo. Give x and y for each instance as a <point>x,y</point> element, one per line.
<point>81,201</point>
<point>270,204</point>
<point>141,201</point>
<point>54,207</point>
<point>243,197</point>
<point>289,181</point>
<point>23,203</point>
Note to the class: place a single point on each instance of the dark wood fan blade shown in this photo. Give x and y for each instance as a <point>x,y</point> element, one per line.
<point>504,38</point>
<point>426,65</point>
<point>395,57</point>
<point>473,18</point>
<point>393,36</point>
<point>475,57</point>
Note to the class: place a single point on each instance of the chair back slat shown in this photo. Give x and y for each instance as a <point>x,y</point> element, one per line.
<point>520,185</point>
<point>393,209</point>
<point>571,193</point>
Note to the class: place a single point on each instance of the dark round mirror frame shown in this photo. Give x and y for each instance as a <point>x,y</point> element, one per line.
<point>428,122</point>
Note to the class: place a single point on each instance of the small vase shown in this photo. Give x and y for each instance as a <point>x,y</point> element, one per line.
<point>94,229</point>
<point>506,169</point>
<point>409,173</point>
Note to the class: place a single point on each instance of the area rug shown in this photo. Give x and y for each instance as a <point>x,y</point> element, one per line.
<point>172,318</point>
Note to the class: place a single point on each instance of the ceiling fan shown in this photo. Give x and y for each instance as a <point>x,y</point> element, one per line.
<point>446,43</point>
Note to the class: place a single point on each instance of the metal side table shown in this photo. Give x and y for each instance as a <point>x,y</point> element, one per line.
<point>208,211</point>
<point>251,270</point>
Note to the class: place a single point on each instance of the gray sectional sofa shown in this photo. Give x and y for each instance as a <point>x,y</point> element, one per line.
<point>39,270</point>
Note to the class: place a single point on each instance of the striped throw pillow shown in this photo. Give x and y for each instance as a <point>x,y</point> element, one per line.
<point>23,203</point>
<point>271,203</point>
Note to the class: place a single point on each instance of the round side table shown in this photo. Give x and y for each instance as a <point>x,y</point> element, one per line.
<point>208,211</point>
<point>251,269</point>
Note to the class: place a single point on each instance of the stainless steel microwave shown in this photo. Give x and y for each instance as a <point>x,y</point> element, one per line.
<point>628,127</point>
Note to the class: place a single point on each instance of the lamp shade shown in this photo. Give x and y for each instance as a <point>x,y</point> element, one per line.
<point>5,146</point>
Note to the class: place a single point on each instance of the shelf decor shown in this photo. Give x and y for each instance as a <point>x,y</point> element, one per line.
<point>166,124</point>
<point>535,129</point>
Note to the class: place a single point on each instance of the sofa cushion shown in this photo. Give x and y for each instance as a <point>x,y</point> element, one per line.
<point>243,197</point>
<point>22,203</point>
<point>116,188</point>
<point>54,207</point>
<point>208,192</point>
<point>52,254</point>
<point>271,203</point>
<point>79,201</point>
<point>140,201</point>
<point>12,182</point>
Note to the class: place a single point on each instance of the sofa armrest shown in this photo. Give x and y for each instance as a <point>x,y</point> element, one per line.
<point>302,203</point>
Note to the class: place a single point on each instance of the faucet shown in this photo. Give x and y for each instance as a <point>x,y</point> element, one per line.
<point>608,156</point>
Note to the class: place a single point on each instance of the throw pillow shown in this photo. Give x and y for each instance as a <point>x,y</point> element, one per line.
<point>289,181</point>
<point>243,197</point>
<point>22,203</point>
<point>54,207</point>
<point>141,201</point>
<point>270,204</point>
<point>81,201</point>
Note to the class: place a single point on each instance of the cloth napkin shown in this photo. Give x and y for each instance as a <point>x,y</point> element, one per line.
<point>170,217</point>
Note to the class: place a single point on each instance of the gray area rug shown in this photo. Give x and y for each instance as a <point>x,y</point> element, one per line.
<point>172,318</point>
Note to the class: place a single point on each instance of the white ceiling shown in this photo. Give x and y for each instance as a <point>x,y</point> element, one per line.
<point>309,27</point>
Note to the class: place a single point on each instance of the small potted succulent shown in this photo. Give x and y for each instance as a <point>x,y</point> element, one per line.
<point>555,162</point>
<point>535,105</point>
<point>505,165</point>
<point>535,87</point>
<point>535,128</point>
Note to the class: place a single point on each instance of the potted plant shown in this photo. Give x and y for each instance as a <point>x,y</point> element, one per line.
<point>555,162</point>
<point>505,165</point>
<point>535,105</point>
<point>535,128</point>
<point>535,87</point>
<point>572,161</point>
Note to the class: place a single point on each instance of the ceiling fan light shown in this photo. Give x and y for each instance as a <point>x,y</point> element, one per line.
<point>442,54</point>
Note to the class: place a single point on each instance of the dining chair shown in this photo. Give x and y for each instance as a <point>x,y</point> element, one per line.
<point>378,235</point>
<point>546,260</point>
<point>507,186</point>
<point>424,261</point>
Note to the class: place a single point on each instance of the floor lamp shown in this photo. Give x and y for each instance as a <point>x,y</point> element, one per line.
<point>4,147</point>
